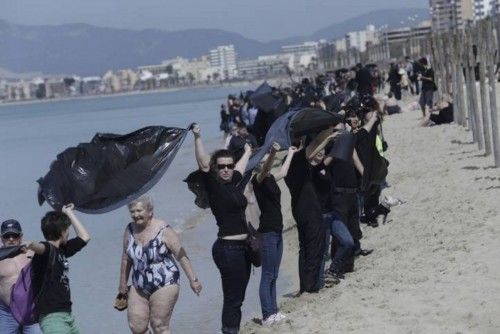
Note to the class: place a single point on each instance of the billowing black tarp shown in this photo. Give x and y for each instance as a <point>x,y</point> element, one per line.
<point>293,125</point>
<point>111,170</point>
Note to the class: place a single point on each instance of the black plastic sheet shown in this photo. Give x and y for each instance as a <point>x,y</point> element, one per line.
<point>9,252</point>
<point>111,170</point>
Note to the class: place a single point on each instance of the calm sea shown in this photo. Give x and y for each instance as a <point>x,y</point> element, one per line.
<point>32,135</point>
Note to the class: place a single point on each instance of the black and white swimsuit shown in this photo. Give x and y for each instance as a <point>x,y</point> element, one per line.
<point>153,264</point>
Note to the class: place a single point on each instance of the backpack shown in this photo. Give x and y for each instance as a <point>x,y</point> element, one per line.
<point>22,299</point>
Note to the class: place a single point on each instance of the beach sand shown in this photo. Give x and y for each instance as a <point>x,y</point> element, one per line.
<point>436,264</point>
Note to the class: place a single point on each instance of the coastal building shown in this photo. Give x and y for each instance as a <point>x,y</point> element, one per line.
<point>482,9</point>
<point>261,68</point>
<point>495,7</point>
<point>55,88</point>
<point>359,39</point>
<point>403,34</point>
<point>305,55</point>
<point>341,44</point>
<point>451,14</point>
<point>223,59</point>
<point>91,85</point>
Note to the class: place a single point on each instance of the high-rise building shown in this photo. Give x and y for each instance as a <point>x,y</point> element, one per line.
<point>482,8</point>
<point>223,59</point>
<point>495,7</point>
<point>450,14</point>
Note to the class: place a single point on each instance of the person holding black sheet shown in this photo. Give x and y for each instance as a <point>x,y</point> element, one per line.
<point>306,210</point>
<point>268,196</point>
<point>222,178</point>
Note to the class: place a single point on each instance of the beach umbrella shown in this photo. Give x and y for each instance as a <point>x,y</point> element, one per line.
<point>111,170</point>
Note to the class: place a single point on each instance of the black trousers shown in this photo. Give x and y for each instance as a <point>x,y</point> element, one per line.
<point>311,230</point>
<point>231,257</point>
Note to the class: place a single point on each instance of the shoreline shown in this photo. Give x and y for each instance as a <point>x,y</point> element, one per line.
<point>436,264</point>
<point>141,92</point>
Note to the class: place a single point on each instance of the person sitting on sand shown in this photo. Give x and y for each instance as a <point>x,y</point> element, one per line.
<point>268,196</point>
<point>149,248</point>
<point>221,178</point>
<point>442,113</point>
<point>391,105</point>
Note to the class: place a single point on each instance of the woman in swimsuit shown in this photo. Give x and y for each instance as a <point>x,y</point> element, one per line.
<point>149,248</point>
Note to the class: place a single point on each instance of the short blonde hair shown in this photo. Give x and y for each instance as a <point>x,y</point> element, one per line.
<point>145,200</point>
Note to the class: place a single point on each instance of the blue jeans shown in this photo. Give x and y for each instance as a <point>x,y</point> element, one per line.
<point>272,250</point>
<point>9,325</point>
<point>338,230</point>
<point>231,258</point>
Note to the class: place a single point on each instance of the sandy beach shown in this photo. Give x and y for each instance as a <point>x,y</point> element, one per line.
<point>436,264</point>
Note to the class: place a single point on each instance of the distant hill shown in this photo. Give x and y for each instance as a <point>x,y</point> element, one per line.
<point>87,50</point>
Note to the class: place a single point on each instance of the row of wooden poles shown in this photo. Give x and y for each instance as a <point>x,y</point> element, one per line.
<point>458,57</point>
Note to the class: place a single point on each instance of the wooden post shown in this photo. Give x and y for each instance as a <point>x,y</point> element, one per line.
<point>481,52</point>
<point>456,100</point>
<point>468,93</point>
<point>493,46</point>
<point>461,80</point>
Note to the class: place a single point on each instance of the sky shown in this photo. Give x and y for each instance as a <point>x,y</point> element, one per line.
<point>258,19</point>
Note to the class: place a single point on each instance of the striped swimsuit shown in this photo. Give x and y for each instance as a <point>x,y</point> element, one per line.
<point>153,264</point>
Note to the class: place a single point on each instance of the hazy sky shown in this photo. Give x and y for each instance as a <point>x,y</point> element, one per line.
<point>260,19</point>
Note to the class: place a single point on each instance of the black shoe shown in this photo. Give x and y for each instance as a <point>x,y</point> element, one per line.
<point>363,252</point>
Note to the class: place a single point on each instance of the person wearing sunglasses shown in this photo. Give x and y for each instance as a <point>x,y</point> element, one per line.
<point>221,178</point>
<point>12,235</point>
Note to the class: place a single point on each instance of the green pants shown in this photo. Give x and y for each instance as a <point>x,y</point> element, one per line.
<point>58,323</point>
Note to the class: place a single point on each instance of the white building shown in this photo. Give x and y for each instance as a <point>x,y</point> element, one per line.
<point>451,14</point>
<point>307,48</point>
<point>223,59</point>
<point>482,8</point>
<point>359,39</point>
<point>341,44</point>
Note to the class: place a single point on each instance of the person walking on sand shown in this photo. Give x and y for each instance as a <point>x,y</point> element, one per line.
<point>54,306</point>
<point>12,235</point>
<point>221,179</point>
<point>149,248</point>
<point>268,196</point>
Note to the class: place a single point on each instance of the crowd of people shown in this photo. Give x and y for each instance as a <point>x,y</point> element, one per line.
<point>335,173</point>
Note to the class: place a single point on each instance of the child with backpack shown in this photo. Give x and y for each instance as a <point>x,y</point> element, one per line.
<point>50,269</point>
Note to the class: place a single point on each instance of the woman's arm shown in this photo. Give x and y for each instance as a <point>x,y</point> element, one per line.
<point>286,165</point>
<point>357,162</point>
<point>371,122</point>
<point>268,164</point>
<point>126,265</point>
<point>202,158</point>
<point>80,230</point>
<point>241,165</point>
<point>313,148</point>
<point>173,243</point>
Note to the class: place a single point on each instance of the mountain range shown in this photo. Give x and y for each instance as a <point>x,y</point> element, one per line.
<point>84,49</point>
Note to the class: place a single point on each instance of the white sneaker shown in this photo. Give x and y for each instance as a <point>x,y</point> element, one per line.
<point>269,321</point>
<point>279,316</point>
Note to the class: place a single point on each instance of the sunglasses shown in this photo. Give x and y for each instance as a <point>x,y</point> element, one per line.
<point>11,236</point>
<point>222,166</point>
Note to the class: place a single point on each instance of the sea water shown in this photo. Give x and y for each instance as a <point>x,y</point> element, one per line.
<point>31,136</point>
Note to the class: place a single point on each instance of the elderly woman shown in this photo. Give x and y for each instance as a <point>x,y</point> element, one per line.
<point>149,248</point>
<point>221,178</point>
